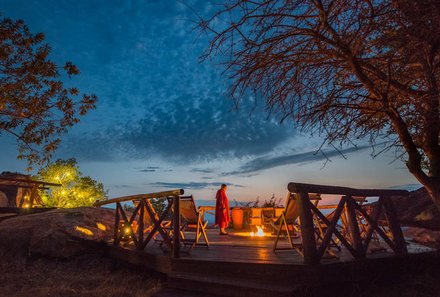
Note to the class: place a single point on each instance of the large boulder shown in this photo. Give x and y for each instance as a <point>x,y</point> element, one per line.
<point>424,236</point>
<point>417,210</point>
<point>59,233</point>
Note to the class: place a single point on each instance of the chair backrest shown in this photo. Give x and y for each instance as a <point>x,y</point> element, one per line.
<point>291,210</point>
<point>188,209</point>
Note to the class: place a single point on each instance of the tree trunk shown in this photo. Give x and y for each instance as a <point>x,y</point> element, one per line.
<point>433,189</point>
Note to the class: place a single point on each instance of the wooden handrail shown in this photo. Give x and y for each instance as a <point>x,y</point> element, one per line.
<point>28,181</point>
<point>350,201</point>
<point>324,189</point>
<point>141,196</point>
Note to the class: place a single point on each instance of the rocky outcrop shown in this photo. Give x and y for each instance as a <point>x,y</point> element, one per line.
<point>424,236</point>
<point>59,233</point>
<point>417,210</point>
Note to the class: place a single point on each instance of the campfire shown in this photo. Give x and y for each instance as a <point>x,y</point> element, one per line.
<point>259,233</point>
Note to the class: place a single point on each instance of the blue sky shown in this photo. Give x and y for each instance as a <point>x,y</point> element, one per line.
<point>164,119</point>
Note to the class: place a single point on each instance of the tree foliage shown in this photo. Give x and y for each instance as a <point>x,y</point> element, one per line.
<point>35,107</point>
<point>345,69</point>
<point>76,190</point>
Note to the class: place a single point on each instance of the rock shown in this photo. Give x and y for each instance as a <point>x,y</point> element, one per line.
<point>424,236</point>
<point>417,210</point>
<point>59,233</point>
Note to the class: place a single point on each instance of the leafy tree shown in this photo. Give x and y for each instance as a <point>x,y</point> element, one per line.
<point>35,107</point>
<point>347,70</point>
<point>76,190</point>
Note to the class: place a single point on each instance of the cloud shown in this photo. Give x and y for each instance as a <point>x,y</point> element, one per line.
<point>408,187</point>
<point>120,186</point>
<point>155,98</point>
<point>193,185</point>
<point>187,129</point>
<point>149,169</point>
<point>201,170</point>
<point>263,163</point>
<point>194,127</point>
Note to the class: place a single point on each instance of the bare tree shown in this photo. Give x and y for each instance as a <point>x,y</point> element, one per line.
<point>348,69</point>
<point>35,107</point>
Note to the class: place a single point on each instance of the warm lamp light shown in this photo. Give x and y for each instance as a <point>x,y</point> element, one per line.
<point>84,230</point>
<point>101,226</point>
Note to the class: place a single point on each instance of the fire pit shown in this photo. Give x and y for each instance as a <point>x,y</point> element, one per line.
<point>260,232</point>
<point>256,232</point>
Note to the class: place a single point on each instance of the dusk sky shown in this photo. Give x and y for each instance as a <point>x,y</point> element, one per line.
<point>164,119</point>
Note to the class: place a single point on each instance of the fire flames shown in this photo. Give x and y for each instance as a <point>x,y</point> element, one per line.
<point>259,233</point>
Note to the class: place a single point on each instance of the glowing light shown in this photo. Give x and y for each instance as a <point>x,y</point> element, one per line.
<point>63,192</point>
<point>259,233</point>
<point>83,230</point>
<point>127,230</point>
<point>101,226</point>
<point>26,205</point>
<point>57,177</point>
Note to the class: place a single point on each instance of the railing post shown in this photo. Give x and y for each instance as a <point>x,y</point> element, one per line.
<point>353,226</point>
<point>393,223</point>
<point>176,227</point>
<point>307,229</point>
<point>141,224</point>
<point>116,233</point>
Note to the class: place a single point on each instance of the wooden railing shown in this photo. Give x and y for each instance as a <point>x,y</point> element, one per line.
<point>30,195</point>
<point>142,207</point>
<point>352,240</point>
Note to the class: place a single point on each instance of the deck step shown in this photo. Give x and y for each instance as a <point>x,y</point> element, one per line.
<point>228,286</point>
<point>5,216</point>
<point>271,273</point>
<point>169,292</point>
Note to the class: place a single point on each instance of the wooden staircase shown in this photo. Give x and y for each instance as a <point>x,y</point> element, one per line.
<point>234,279</point>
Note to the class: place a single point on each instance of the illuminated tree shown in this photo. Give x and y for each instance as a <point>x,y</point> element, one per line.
<point>347,70</point>
<point>76,190</point>
<point>35,107</point>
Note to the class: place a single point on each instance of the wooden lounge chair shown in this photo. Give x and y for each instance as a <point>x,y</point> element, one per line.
<point>192,220</point>
<point>321,228</point>
<point>286,224</point>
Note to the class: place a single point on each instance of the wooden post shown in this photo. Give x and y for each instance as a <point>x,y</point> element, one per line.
<point>116,234</point>
<point>176,227</point>
<point>307,229</point>
<point>393,223</point>
<point>355,236</point>
<point>141,225</point>
<point>32,195</point>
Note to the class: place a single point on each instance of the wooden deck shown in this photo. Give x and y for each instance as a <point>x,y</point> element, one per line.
<point>237,264</point>
<point>238,247</point>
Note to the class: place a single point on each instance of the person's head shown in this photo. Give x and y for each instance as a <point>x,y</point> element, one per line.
<point>224,187</point>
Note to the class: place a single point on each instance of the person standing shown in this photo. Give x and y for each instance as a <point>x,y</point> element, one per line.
<point>222,209</point>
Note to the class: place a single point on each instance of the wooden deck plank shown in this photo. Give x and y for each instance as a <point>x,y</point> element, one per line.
<point>244,249</point>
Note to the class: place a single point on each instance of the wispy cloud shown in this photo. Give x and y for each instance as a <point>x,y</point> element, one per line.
<point>408,187</point>
<point>264,163</point>
<point>150,169</point>
<point>194,185</point>
<point>202,170</point>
